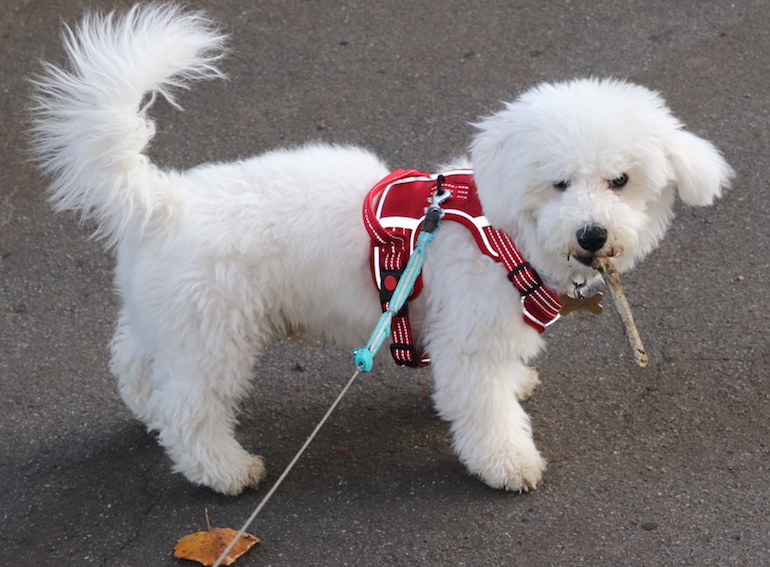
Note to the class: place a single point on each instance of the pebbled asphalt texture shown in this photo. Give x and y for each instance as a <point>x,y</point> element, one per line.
<point>663,466</point>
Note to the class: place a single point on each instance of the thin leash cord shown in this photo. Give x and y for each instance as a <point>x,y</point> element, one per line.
<point>287,469</point>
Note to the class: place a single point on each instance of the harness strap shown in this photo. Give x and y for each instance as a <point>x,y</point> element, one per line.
<point>541,305</point>
<point>376,231</point>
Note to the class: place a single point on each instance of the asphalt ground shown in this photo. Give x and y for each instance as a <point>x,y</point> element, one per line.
<point>668,465</point>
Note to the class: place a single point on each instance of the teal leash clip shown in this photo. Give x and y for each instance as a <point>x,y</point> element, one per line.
<point>364,356</point>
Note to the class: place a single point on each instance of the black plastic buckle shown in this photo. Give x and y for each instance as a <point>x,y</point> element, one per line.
<point>414,363</point>
<point>533,287</point>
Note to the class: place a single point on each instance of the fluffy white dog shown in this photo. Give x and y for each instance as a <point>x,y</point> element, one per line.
<point>215,262</point>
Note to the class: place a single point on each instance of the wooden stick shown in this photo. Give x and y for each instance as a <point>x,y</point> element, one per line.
<point>607,269</point>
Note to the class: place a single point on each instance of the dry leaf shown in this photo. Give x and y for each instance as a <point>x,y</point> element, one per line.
<point>206,547</point>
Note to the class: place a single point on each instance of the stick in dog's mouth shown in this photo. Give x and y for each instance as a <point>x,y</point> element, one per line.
<point>607,269</point>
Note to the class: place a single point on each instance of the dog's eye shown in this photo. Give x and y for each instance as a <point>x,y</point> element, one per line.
<point>619,182</point>
<point>561,185</point>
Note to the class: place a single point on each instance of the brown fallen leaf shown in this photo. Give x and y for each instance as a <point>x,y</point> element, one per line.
<point>206,547</point>
<point>607,269</point>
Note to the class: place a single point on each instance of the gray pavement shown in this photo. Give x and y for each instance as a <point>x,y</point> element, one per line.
<point>668,465</point>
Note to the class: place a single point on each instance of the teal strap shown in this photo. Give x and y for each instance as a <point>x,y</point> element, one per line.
<point>364,356</point>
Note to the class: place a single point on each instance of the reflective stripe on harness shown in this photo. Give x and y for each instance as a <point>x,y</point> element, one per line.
<point>393,212</point>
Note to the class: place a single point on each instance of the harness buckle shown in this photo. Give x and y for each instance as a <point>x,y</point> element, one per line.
<point>416,362</point>
<point>532,288</point>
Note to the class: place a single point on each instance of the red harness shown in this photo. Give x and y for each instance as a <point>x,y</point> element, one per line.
<point>393,213</point>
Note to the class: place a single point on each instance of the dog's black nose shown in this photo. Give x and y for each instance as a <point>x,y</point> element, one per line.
<point>592,237</point>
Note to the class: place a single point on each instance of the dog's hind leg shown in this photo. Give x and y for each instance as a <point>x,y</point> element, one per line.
<point>193,407</point>
<point>202,363</point>
<point>131,364</point>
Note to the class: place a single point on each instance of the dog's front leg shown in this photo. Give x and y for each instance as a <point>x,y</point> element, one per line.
<point>477,340</point>
<point>491,432</point>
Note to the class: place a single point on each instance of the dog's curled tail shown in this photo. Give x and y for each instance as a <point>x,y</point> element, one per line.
<point>90,127</point>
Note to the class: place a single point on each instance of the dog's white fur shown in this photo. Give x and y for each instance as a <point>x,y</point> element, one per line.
<point>215,262</point>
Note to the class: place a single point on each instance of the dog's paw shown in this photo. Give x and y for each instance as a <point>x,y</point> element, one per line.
<point>516,470</point>
<point>527,384</point>
<point>230,476</point>
<point>248,475</point>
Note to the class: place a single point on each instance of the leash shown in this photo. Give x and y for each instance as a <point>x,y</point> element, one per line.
<point>285,473</point>
<point>364,356</point>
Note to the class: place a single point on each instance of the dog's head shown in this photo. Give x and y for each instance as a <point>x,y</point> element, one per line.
<point>590,168</point>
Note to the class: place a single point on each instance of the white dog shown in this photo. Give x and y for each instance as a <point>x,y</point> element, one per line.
<point>215,262</point>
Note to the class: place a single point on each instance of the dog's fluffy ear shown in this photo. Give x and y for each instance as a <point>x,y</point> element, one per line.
<point>700,171</point>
